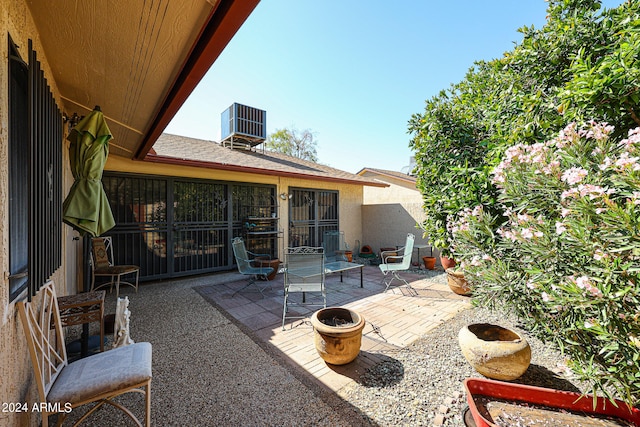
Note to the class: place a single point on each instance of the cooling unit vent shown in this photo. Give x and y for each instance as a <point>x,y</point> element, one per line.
<point>243,126</point>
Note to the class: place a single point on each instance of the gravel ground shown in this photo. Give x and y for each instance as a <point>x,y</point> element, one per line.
<point>422,384</point>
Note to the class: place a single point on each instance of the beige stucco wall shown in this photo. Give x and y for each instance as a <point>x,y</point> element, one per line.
<point>350,195</point>
<point>16,373</point>
<point>389,213</point>
<point>397,192</point>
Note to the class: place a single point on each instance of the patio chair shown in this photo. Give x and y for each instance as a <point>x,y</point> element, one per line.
<point>393,263</point>
<point>334,246</point>
<point>245,260</point>
<point>304,272</point>
<point>95,379</point>
<point>102,265</point>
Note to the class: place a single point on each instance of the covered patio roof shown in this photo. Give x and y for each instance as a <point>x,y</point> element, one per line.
<point>139,61</point>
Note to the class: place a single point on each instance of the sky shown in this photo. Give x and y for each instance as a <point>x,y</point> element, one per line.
<point>352,71</point>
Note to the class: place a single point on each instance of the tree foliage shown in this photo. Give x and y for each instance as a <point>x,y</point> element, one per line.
<point>301,144</point>
<point>553,76</point>
<point>567,267</point>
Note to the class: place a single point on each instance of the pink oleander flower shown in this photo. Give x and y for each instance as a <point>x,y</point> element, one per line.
<point>599,131</point>
<point>593,191</point>
<point>594,291</point>
<point>570,193</point>
<point>606,163</point>
<point>589,324</point>
<point>599,255</point>
<point>582,282</point>
<point>633,137</point>
<point>526,233</point>
<point>566,135</point>
<point>625,161</point>
<point>522,218</point>
<point>560,228</point>
<point>477,211</point>
<point>546,297</point>
<point>573,175</point>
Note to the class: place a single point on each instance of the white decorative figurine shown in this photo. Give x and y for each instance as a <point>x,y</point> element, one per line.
<point>121,330</point>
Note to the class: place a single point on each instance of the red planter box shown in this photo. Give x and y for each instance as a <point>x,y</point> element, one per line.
<point>550,398</point>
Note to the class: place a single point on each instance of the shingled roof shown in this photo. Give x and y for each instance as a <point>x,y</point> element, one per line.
<point>182,150</point>
<point>392,174</point>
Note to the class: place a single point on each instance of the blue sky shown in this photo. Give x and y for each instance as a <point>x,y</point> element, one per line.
<point>352,71</point>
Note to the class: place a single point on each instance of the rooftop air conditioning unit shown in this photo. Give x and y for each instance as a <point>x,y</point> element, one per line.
<point>243,126</point>
<point>409,169</point>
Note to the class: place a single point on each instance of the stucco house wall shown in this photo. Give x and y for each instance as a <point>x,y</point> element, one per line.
<point>350,195</point>
<point>389,213</point>
<point>16,373</point>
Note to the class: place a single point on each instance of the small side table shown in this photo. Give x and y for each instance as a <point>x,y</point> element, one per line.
<point>86,307</point>
<point>418,247</point>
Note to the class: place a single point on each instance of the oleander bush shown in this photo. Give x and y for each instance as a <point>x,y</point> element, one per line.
<point>584,63</point>
<point>565,253</point>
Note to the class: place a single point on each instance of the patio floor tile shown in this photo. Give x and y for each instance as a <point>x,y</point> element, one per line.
<point>394,318</point>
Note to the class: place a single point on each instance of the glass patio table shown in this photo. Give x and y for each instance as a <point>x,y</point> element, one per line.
<point>341,267</point>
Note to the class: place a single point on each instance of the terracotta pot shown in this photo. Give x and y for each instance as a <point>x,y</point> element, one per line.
<point>494,351</point>
<point>366,250</point>
<point>457,282</point>
<point>263,262</point>
<point>429,262</point>
<point>337,343</point>
<point>349,255</point>
<point>447,262</point>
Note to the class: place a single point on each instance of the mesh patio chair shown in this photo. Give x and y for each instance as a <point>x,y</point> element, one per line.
<point>304,273</point>
<point>394,264</point>
<point>334,246</point>
<point>95,379</point>
<point>245,260</point>
<point>102,265</point>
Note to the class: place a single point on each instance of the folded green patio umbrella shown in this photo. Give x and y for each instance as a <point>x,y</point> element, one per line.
<point>86,207</point>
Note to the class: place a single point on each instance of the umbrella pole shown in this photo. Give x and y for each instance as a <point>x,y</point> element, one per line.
<point>86,277</point>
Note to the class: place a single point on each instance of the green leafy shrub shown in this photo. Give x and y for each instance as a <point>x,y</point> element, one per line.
<point>583,63</point>
<point>565,255</point>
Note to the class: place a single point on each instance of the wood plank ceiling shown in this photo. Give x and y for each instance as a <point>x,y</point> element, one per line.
<point>133,58</point>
